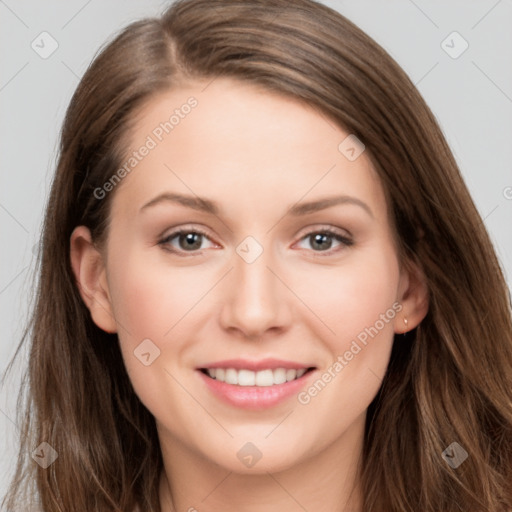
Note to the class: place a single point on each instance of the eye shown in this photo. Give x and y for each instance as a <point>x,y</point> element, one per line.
<point>322,240</point>
<point>188,240</point>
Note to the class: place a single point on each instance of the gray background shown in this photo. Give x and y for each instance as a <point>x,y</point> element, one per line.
<point>470,95</point>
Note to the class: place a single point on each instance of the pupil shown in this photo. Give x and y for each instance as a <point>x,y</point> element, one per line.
<point>320,238</point>
<point>190,243</point>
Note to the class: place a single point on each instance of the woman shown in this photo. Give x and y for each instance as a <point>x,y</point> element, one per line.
<point>196,346</point>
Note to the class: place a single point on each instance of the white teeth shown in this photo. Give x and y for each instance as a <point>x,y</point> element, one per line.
<point>231,376</point>
<point>291,375</point>
<point>246,378</point>
<point>279,376</point>
<point>261,378</point>
<point>265,378</point>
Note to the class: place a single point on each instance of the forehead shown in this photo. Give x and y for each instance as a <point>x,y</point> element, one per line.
<point>240,145</point>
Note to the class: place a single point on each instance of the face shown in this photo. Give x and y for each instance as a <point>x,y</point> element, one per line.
<point>250,283</point>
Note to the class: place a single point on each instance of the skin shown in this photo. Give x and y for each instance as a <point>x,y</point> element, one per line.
<point>256,154</point>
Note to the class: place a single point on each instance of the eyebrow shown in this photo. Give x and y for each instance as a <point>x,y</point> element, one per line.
<point>299,209</point>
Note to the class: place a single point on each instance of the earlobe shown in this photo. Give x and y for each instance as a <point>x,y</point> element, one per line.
<point>90,275</point>
<point>414,298</point>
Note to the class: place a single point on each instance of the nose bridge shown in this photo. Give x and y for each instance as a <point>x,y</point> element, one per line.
<point>255,296</point>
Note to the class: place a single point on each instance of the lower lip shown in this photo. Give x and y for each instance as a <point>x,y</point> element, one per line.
<point>255,397</point>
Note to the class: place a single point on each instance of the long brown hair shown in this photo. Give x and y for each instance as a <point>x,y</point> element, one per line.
<point>449,381</point>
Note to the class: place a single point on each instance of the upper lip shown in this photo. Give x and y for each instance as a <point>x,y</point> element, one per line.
<point>262,364</point>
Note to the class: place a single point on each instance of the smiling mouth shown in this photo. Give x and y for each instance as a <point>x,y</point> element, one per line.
<point>264,378</point>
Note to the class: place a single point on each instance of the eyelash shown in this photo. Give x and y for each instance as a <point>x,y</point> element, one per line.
<point>345,240</point>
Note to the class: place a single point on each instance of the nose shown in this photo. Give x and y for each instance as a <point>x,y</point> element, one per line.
<point>255,298</point>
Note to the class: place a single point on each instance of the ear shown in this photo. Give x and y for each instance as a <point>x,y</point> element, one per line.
<point>90,274</point>
<point>413,296</point>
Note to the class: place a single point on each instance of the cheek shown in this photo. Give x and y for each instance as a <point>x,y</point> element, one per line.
<point>352,296</point>
<point>156,303</point>
<point>357,304</point>
<point>150,300</point>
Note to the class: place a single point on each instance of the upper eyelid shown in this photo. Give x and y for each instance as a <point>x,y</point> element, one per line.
<point>319,228</point>
<point>304,232</point>
<point>176,232</point>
